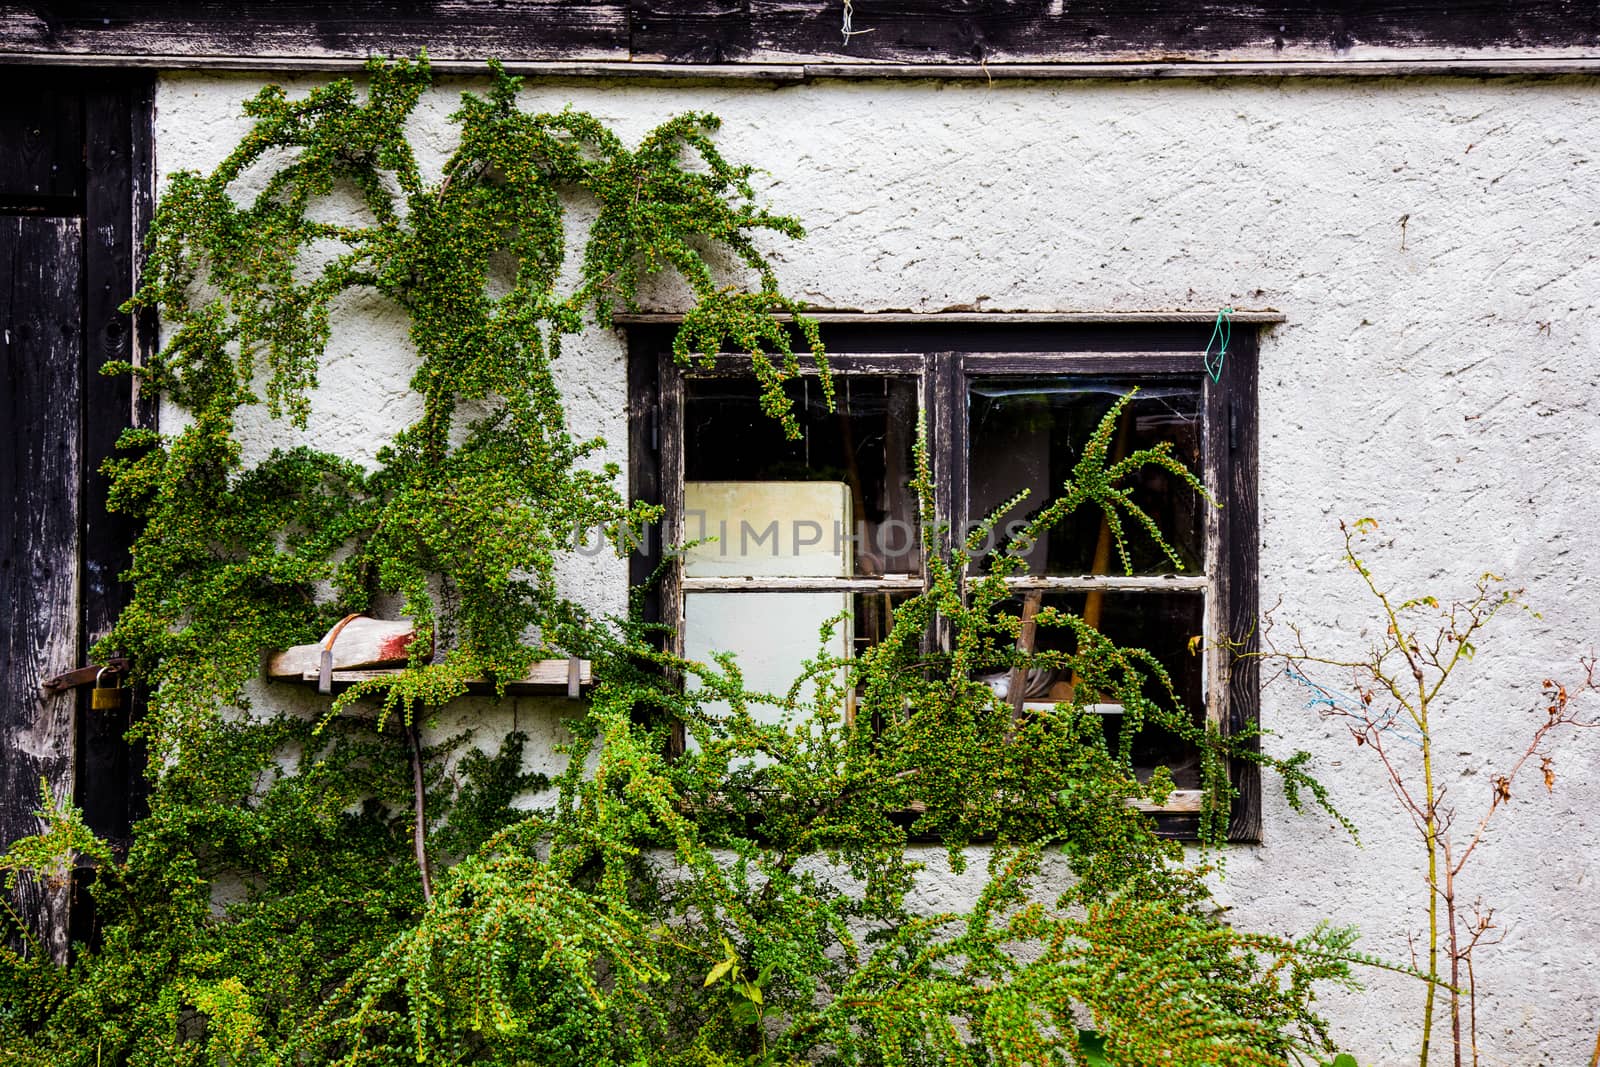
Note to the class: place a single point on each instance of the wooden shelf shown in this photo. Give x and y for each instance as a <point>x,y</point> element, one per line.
<point>1186,801</point>
<point>554,677</point>
<point>1051,705</point>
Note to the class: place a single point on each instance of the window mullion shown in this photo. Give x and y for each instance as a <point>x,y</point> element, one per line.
<point>671,459</point>
<point>756,584</point>
<point>1232,413</point>
<point>945,391</point>
<point>1158,583</point>
<point>947,443</point>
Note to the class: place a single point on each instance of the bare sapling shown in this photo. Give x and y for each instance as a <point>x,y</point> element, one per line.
<point>1391,703</point>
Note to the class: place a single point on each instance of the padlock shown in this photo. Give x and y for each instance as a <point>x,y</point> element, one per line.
<point>105,697</point>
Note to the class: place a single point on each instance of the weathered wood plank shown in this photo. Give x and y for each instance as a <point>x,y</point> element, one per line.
<point>644,468</point>
<point>545,676</point>
<point>41,343</point>
<point>732,32</point>
<point>766,584</point>
<point>908,583</point>
<point>1419,63</point>
<point>983,318</point>
<point>1231,420</point>
<point>41,131</point>
<point>107,776</point>
<point>146,322</point>
<point>1181,800</point>
<point>1122,583</point>
<point>1088,362</point>
<point>116,149</point>
<point>1019,31</point>
<point>112,117</point>
<point>1524,65</point>
<point>527,29</point>
<point>670,467</point>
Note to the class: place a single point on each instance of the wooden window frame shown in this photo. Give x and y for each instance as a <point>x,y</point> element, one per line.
<point>944,353</point>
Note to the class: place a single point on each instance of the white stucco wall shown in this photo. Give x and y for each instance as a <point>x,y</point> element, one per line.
<point>1439,376</point>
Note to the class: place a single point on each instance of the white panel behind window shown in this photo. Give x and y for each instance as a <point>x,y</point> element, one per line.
<point>767,529</point>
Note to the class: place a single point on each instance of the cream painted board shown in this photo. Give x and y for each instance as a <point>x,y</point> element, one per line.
<point>768,529</point>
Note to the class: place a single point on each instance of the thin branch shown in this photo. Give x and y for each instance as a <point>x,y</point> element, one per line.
<point>419,830</point>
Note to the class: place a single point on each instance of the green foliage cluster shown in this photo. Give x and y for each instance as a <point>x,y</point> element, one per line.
<point>751,900</point>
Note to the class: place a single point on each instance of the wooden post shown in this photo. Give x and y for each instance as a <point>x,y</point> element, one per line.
<point>41,353</point>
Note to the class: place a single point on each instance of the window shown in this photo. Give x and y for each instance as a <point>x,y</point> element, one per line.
<point>824,526</point>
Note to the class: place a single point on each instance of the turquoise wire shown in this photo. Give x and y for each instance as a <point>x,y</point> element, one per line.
<point>1221,330</point>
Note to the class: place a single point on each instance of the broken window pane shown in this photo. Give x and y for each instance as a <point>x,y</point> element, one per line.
<point>1030,433</point>
<point>864,447</point>
<point>874,617</point>
<point>1162,624</point>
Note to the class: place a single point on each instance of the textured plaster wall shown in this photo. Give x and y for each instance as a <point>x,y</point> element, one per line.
<point>1433,245</point>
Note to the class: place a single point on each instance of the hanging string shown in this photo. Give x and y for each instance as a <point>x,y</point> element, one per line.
<point>1327,702</point>
<point>848,30</point>
<point>1221,334</point>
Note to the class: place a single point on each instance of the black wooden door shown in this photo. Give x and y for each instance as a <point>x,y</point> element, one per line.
<point>74,159</point>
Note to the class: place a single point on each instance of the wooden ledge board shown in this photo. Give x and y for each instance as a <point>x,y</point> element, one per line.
<point>548,676</point>
<point>1493,66</point>
<point>1262,317</point>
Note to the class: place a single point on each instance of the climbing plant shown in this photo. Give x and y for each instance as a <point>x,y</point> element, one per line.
<point>752,899</point>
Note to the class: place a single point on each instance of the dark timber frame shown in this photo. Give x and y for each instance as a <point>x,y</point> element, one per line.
<point>78,166</point>
<point>944,351</point>
<point>616,36</point>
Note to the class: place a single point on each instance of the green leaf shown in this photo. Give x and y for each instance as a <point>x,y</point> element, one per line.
<point>718,971</point>
<point>1344,1059</point>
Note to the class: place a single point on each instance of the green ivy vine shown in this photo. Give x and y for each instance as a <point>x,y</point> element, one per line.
<point>752,900</point>
<point>467,531</point>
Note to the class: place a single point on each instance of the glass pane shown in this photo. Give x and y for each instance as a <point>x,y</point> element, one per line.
<point>867,526</point>
<point>874,618</point>
<point>1161,624</point>
<point>1030,433</point>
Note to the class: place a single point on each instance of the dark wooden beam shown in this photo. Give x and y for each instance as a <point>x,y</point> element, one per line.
<point>1231,413</point>
<point>1025,31</point>
<point>118,113</point>
<point>831,317</point>
<point>1523,67</point>
<point>530,29</point>
<point>804,38</point>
